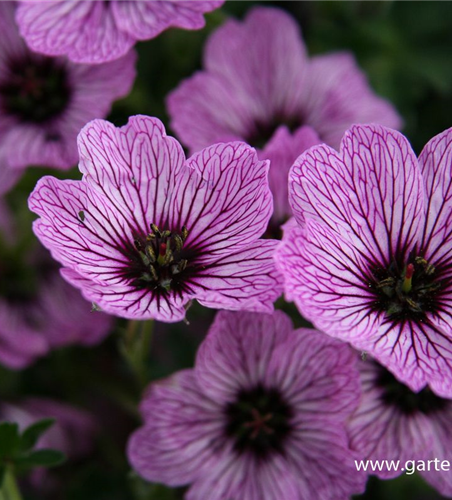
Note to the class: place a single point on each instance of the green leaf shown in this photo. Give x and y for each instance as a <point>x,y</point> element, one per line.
<point>41,458</point>
<point>32,434</point>
<point>9,439</point>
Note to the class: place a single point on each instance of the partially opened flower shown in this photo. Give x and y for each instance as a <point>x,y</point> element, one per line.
<point>95,32</point>
<point>394,423</point>
<point>146,231</point>
<point>44,102</point>
<point>261,417</point>
<point>39,311</point>
<point>260,86</point>
<point>370,259</point>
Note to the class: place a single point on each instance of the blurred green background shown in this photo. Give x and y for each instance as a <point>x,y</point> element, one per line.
<point>405,48</point>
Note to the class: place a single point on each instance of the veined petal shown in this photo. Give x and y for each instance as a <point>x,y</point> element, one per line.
<point>337,95</point>
<point>416,353</point>
<point>317,374</point>
<point>380,431</point>
<point>234,357</point>
<point>144,20</point>
<point>134,167</point>
<point>282,150</point>
<point>80,228</point>
<point>182,431</point>
<point>222,197</point>
<point>128,302</point>
<point>266,48</point>
<point>326,278</point>
<point>246,279</point>
<point>436,165</point>
<point>85,31</point>
<point>370,192</point>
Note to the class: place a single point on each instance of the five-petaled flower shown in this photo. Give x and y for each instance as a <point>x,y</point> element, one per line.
<point>394,423</point>
<point>44,101</point>
<point>370,259</point>
<point>145,231</point>
<point>259,86</point>
<point>260,417</point>
<point>96,32</point>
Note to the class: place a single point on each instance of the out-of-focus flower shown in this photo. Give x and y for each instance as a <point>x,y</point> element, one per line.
<point>261,417</point>
<point>259,86</point>
<point>96,32</point>
<point>39,311</point>
<point>146,231</point>
<point>44,102</point>
<point>73,432</point>
<point>394,423</point>
<point>370,259</point>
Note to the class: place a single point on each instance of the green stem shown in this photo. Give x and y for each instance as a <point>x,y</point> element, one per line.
<point>10,490</point>
<point>136,346</point>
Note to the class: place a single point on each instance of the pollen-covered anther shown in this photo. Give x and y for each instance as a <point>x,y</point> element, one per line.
<point>412,291</point>
<point>160,253</point>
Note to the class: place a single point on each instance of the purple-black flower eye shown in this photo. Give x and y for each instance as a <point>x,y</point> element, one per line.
<point>36,89</point>
<point>406,292</point>
<point>398,395</point>
<point>259,421</point>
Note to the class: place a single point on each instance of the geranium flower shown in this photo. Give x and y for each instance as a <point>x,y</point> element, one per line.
<point>145,231</point>
<point>394,423</point>
<point>370,259</point>
<point>39,311</point>
<point>44,102</point>
<point>96,32</point>
<point>259,86</point>
<point>261,417</point>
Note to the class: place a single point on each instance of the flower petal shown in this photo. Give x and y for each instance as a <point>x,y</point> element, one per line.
<point>222,197</point>
<point>134,167</point>
<point>128,302</point>
<point>181,428</point>
<point>325,276</point>
<point>245,279</point>
<point>436,165</point>
<point>381,432</point>
<point>237,352</point>
<point>228,105</point>
<point>371,191</point>
<point>317,374</point>
<point>80,229</point>
<point>282,150</point>
<point>337,95</point>
<point>84,31</point>
<point>144,20</point>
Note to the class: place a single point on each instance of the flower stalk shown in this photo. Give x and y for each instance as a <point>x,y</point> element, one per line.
<point>10,490</point>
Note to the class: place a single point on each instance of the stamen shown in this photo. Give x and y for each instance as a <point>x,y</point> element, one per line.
<point>407,282</point>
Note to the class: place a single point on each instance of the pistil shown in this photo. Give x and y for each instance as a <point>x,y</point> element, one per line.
<point>407,282</point>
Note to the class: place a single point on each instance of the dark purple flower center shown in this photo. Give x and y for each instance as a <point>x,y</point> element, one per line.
<point>406,293</point>
<point>398,395</point>
<point>258,421</point>
<point>161,260</point>
<point>263,131</point>
<point>35,90</point>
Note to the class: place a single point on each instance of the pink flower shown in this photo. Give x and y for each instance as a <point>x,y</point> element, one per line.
<point>369,261</point>
<point>40,312</point>
<point>259,86</point>
<point>95,32</point>
<point>44,102</point>
<point>394,423</point>
<point>261,417</point>
<point>146,231</point>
